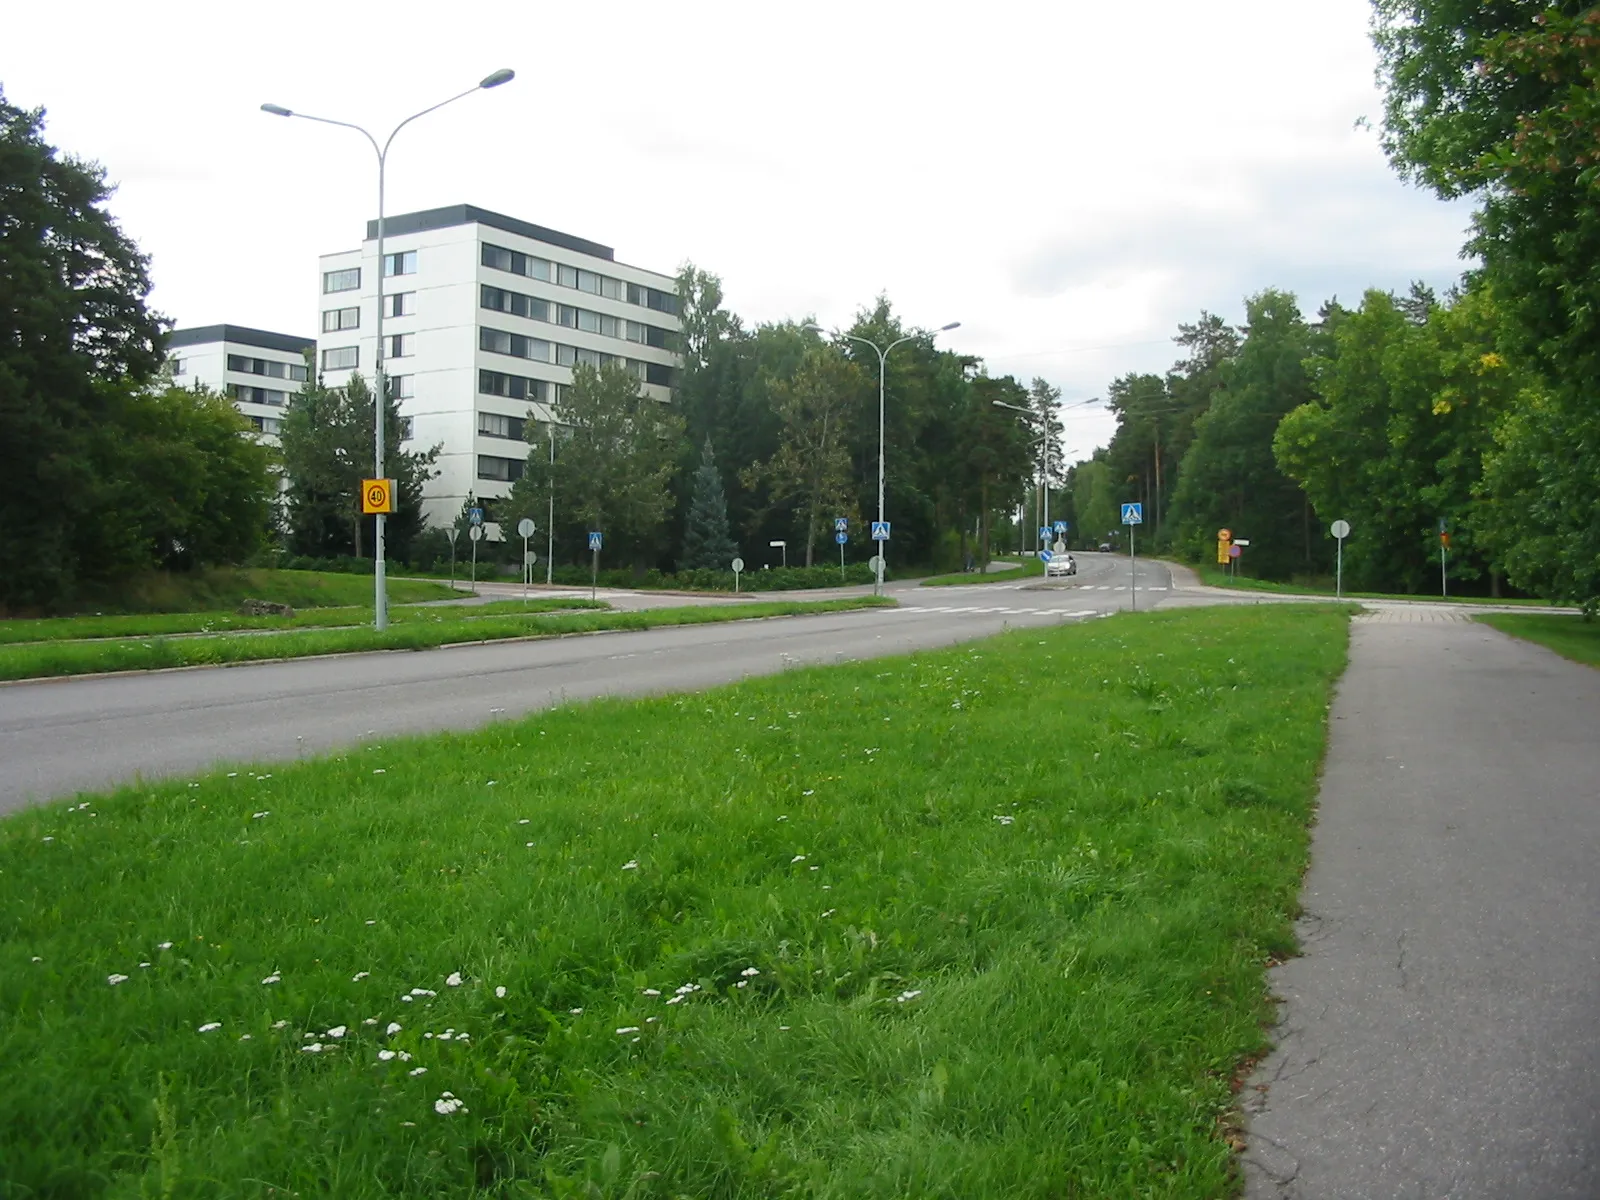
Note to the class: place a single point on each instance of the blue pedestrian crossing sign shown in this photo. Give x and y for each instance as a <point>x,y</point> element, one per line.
<point>880,531</point>
<point>1061,526</point>
<point>1133,514</point>
<point>1045,556</point>
<point>841,537</point>
<point>594,540</point>
<point>1044,532</point>
<point>841,524</point>
<point>475,516</point>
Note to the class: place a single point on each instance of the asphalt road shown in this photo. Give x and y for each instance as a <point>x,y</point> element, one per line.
<point>61,736</point>
<point>1440,1036</point>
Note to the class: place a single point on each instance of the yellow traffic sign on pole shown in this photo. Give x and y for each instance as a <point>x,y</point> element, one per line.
<point>377,496</point>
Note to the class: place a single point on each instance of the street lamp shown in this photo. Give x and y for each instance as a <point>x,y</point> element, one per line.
<point>380,599</point>
<point>883,366</point>
<point>1031,413</point>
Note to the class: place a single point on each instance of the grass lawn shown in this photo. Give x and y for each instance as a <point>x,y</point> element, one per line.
<point>1029,567</point>
<point>1569,636</point>
<point>58,629</point>
<point>1214,576</point>
<point>225,587</point>
<point>419,629</point>
<point>984,922</point>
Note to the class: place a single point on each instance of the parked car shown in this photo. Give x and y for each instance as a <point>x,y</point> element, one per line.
<point>1060,566</point>
<point>1105,547</point>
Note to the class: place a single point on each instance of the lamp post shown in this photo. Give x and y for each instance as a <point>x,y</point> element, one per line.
<point>380,598</point>
<point>1045,524</point>
<point>883,368</point>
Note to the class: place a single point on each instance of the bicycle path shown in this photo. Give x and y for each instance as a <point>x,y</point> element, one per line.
<point>1440,1034</point>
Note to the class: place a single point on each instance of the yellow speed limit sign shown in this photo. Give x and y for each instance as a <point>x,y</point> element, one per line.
<point>377,496</point>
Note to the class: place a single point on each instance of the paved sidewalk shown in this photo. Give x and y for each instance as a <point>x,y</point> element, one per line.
<point>1440,1036</point>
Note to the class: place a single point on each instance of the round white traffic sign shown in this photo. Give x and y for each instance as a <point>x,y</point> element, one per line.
<point>475,533</point>
<point>738,565</point>
<point>1341,529</point>
<point>525,527</point>
<point>876,563</point>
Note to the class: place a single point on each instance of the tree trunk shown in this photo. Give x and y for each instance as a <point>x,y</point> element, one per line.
<point>983,526</point>
<point>355,532</point>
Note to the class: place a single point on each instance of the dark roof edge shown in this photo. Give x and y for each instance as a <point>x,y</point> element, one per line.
<point>242,335</point>
<point>467,214</point>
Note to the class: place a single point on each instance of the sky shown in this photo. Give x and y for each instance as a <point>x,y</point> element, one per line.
<point>1068,180</point>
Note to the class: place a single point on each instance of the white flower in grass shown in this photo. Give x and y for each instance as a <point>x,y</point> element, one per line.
<point>370,1021</point>
<point>405,1056</point>
<point>371,922</point>
<point>500,993</point>
<point>279,1024</point>
<point>651,1020</point>
<point>631,865</point>
<point>164,946</point>
<point>144,964</point>
<point>629,1029</point>
<point>407,999</point>
<point>577,1012</point>
<point>422,992</point>
<point>676,1000</point>
<point>51,839</point>
<point>394,1028</point>
<point>904,996</point>
<point>809,792</point>
<point>797,858</point>
<point>113,980</point>
<point>244,1037</point>
<point>209,1026</point>
<point>1004,820</point>
<point>338,1031</point>
<point>524,821</point>
<point>377,770</point>
<point>428,1035</point>
<point>313,1048</point>
<point>447,1104</point>
<point>36,958</point>
<point>273,978</point>
<point>259,815</point>
<point>742,983</point>
<point>359,976</point>
<point>491,783</point>
<point>417,1071</point>
<point>652,991</point>
<point>453,979</point>
<point>748,972</point>
<point>385,1055</point>
<point>830,912</point>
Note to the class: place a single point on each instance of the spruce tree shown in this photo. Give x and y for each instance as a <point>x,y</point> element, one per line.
<point>706,540</point>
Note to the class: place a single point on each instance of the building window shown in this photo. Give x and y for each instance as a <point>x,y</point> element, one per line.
<point>347,280</point>
<point>513,387</point>
<point>656,373</point>
<point>402,345</point>
<point>341,358</point>
<point>506,470</point>
<point>515,303</point>
<point>402,387</point>
<point>298,372</point>
<point>272,425</point>
<point>610,288</point>
<point>400,304</point>
<point>497,426</point>
<point>497,341</point>
<point>180,367</point>
<point>588,281</point>
<point>243,393</point>
<point>517,263</point>
<point>257,366</point>
<point>566,276</point>
<point>335,319</point>
<point>403,263</point>
<point>405,429</point>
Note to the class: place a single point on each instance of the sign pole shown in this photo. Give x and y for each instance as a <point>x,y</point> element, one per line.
<point>1133,572</point>
<point>1338,570</point>
<point>594,576</point>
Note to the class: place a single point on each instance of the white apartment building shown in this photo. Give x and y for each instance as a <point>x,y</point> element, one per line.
<point>485,317</point>
<point>254,368</point>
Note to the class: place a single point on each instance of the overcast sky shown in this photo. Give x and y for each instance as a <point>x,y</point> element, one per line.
<point>1068,180</point>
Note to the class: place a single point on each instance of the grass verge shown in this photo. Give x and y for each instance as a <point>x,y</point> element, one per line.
<point>1213,575</point>
<point>1030,567</point>
<point>842,932</point>
<point>1569,636</point>
<point>60,629</point>
<point>225,587</point>
<point>41,660</point>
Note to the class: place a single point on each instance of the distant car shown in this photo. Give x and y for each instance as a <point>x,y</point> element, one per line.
<point>1105,547</point>
<point>1061,566</point>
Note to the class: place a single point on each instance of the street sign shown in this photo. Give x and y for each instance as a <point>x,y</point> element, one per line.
<point>841,537</point>
<point>875,563</point>
<point>525,528</point>
<point>1340,529</point>
<point>1060,547</point>
<point>1241,541</point>
<point>776,544</point>
<point>377,496</point>
<point>880,531</point>
<point>1061,526</point>
<point>1222,553</point>
<point>738,565</point>
<point>476,533</point>
<point>452,533</point>
<point>1045,556</point>
<point>594,540</point>
<point>1044,533</point>
<point>529,557</point>
<point>841,524</point>
<point>1234,551</point>
<point>1133,514</point>
<point>475,515</point>
<point>1224,535</point>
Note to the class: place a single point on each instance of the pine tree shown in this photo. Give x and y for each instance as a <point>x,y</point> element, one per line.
<point>706,540</point>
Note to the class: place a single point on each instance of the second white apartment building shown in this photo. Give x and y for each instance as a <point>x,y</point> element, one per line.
<point>485,317</point>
